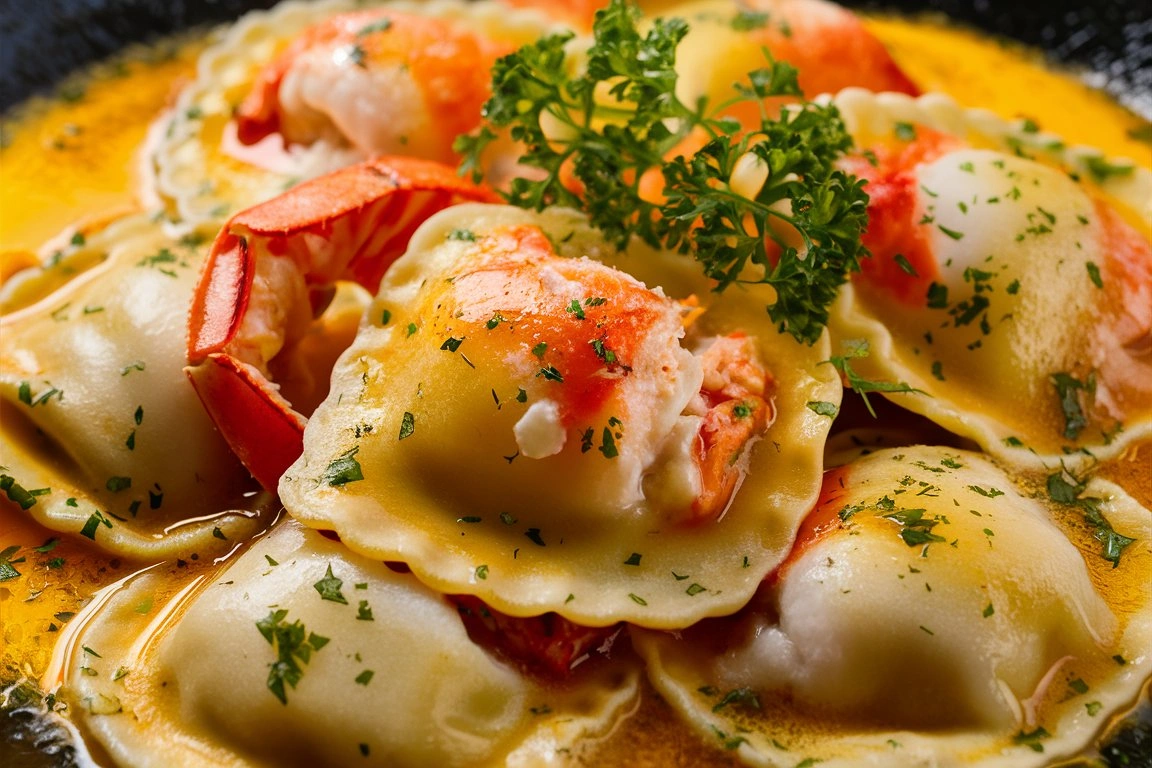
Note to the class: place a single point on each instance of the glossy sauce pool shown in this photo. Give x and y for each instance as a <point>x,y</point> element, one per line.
<point>74,159</point>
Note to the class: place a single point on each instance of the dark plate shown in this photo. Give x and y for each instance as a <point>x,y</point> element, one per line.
<point>41,41</point>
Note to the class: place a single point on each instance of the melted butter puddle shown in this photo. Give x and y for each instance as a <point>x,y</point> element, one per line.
<point>65,649</point>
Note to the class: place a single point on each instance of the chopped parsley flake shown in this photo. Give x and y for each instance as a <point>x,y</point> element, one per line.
<point>344,469</point>
<point>1069,492</point>
<point>1068,388</point>
<point>823,408</point>
<point>329,587</point>
<point>551,374</point>
<point>1032,739</point>
<point>293,647</point>
<point>621,117</point>
<point>1094,274</point>
<point>407,425</point>
<point>16,493</point>
<point>859,348</point>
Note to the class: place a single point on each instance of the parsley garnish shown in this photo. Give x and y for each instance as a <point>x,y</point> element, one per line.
<point>382,25</point>
<point>329,587</point>
<point>1102,170</point>
<point>858,348</point>
<point>620,117</point>
<point>344,469</point>
<point>1032,739</point>
<point>914,529</point>
<point>1094,274</point>
<point>1067,389</point>
<point>551,374</point>
<point>292,646</point>
<point>742,696</point>
<point>95,520</point>
<point>823,408</point>
<point>407,426</point>
<point>17,493</point>
<point>1064,488</point>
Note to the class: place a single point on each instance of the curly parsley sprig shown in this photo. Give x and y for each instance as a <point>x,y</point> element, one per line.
<point>596,134</point>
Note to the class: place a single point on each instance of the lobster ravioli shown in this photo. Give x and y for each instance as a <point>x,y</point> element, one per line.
<point>829,46</point>
<point>102,435</point>
<point>519,421</point>
<point>326,657</point>
<point>306,88</point>
<point>1010,284</point>
<point>931,612</point>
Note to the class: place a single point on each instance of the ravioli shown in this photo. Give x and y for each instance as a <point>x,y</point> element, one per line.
<point>1011,293</point>
<point>325,657</point>
<point>931,612</point>
<point>520,427</point>
<point>203,173</point>
<point>102,435</point>
<point>828,45</point>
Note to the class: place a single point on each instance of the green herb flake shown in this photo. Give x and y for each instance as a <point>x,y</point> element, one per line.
<point>621,118</point>
<point>293,648</point>
<point>905,265</point>
<point>859,348</point>
<point>407,426</point>
<point>745,697</point>
<point>633,559</point>
<point>343,469</point>
<point>1068,389</point>
<point>95,520</point>
<point>637,599</point>
<point>17,493</point>
<point>451,344</point>
<point>608,444</point>
<point>575,309</point>
<point>823,408</point>
<point>551,374</point>
<point>1094,274</point>
<point>1101,170</point>
<point>465,235</point>
<point>329,587</point>
<point>364,611</point>
<point>1032,739</point>
<point>383,25</point>
<point>481,572</point>
<point>988,493</point>
<point>695,589</point>
<point>365,677</point>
